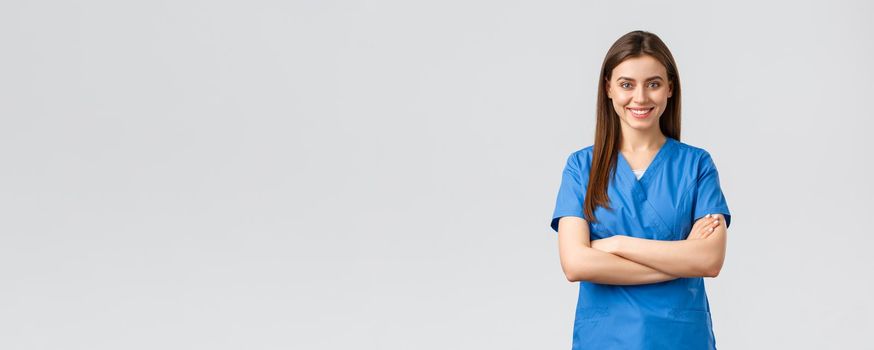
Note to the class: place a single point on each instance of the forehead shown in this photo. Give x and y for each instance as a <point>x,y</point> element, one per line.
<point>640,68</point>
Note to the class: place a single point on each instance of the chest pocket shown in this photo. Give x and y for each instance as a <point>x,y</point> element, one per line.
<point>618,220</point>
<point>639,220</point>
<point>607,223</point>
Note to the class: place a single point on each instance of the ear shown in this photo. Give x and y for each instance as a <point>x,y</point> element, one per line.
<point>670,89</point>
<point>607,87</point>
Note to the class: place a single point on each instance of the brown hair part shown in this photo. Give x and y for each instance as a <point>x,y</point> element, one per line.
<point>608,132</point>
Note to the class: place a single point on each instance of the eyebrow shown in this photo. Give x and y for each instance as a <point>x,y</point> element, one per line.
<point>650,78</point>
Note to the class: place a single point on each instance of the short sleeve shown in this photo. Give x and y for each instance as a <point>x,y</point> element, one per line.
<point>707,196</point>
<point>571,193</point>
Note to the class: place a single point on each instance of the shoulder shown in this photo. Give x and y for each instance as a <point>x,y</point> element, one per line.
<point>694,157</point>
<point>692,154</point>
<point>687,150</point>
<point>580,159</point>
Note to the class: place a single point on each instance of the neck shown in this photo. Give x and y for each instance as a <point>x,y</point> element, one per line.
<point>642,140</point>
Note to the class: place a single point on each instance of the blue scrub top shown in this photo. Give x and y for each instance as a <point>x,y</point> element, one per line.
<point>680,185</point>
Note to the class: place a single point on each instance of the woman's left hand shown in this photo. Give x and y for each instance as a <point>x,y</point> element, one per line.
<point>608,245</point>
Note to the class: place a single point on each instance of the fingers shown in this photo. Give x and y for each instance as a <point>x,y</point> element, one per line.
<point>696,228</point>
<point>703,228</point>
<point>695,233</point>
<point>711,226</point>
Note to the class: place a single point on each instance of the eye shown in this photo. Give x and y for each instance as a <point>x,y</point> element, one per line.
<point>655,84</point>
<point>622,84</point>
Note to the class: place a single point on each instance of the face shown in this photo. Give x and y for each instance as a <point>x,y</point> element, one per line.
<point>639,85</point>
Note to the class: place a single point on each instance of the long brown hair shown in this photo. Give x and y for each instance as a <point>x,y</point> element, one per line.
<point>608,134</point>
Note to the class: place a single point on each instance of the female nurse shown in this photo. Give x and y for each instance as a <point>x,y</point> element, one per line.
<point>640,216</point>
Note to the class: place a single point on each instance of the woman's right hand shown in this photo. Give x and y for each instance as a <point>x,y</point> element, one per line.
<point>704,227</point>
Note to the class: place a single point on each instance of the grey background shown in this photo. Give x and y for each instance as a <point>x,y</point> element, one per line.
<point>380,175</point>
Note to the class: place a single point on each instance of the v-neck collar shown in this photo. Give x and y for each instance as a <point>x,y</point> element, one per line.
<point>651,169</point>
<point>638,190</point>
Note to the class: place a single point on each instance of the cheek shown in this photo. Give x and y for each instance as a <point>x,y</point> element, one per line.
<point>621,99</point>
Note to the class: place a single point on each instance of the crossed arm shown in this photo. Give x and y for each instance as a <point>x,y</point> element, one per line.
<point>625,260</point>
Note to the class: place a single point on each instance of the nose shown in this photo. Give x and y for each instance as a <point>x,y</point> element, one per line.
<point>639,96</point>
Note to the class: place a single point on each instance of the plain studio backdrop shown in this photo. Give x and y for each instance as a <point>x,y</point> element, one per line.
<point>381,175</point>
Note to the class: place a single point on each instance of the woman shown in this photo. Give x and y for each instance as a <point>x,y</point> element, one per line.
<point>626,207</point>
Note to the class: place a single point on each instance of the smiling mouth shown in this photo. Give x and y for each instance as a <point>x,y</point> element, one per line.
<point>641,113</point>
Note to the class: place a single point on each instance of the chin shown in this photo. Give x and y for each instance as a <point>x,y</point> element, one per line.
<point>642,125</point>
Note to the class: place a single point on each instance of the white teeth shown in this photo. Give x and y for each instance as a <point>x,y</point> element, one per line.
<point>635,111</point>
